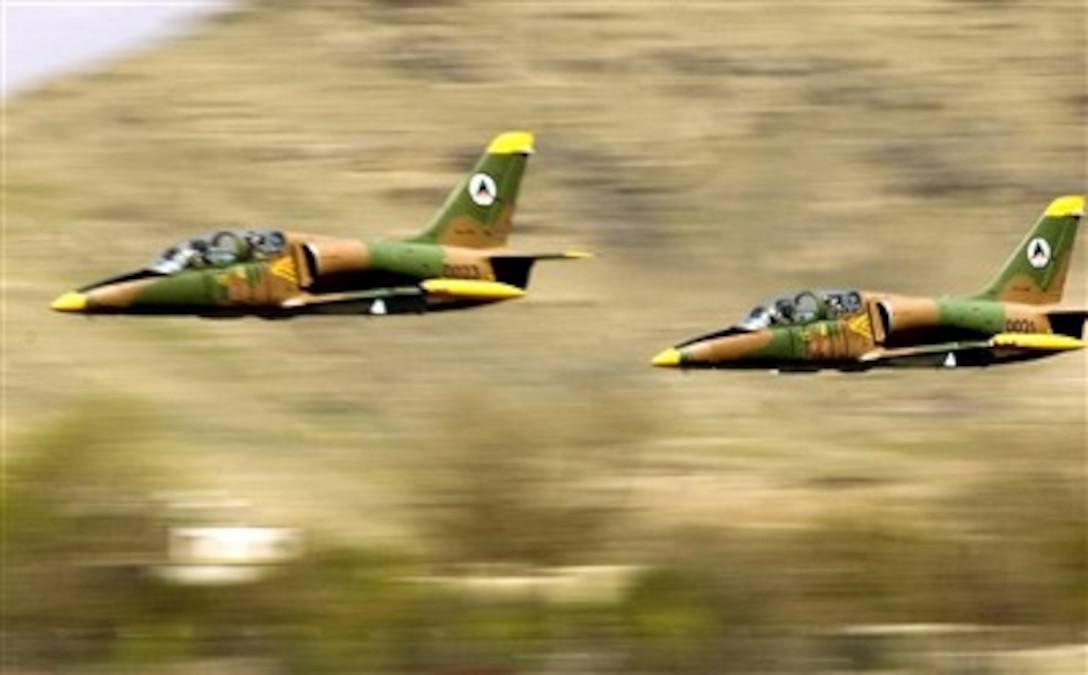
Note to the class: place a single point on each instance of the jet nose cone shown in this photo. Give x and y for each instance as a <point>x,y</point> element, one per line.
<point>667,358</point>
<point>69,302</point>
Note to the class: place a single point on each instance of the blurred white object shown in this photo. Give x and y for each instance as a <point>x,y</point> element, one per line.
<point>227,555</point>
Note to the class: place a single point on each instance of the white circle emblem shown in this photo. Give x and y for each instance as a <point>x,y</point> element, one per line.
<point>482,189</point>
<point>1038,252</point>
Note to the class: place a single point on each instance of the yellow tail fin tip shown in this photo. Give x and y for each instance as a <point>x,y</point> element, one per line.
<point>1072,205</point>
<point>511,143</point>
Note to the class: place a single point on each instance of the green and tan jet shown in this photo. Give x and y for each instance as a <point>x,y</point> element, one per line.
<point>459,260</point>
<point>1014,318</point>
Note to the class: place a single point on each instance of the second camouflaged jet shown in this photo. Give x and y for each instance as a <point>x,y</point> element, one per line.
<point>1014,318</point>
<point>459,260</point>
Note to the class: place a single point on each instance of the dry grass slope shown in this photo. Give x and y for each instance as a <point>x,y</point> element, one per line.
<point>710,153</point>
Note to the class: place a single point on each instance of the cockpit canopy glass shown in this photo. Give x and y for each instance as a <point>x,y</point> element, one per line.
<point>802,308</point>
<point>220,249</point>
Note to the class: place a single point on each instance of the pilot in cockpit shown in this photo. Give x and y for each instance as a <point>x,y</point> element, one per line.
<point>265,244</point>
<point>193,253</point>
<point>189,254</point>
<point>255,242</point>
<point>808,307</point>
<point>776,312</point>
<point>227,248</point>
<point>782,312</point>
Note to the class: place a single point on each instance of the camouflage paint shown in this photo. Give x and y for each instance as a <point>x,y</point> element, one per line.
<point>738,349</point>
<point>479,212</point>
<point>985,318</point>
<point>1035,273</point>
<point>416,260</point>
<point>181,292</point>
<point>1007,322</point>
<point>448,266</point>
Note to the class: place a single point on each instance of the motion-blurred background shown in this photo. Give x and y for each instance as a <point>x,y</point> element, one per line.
<point>513,489</point>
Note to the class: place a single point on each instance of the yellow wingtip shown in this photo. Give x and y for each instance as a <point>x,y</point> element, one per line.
<point>1070,205</point>
<point>511,143</point>
<point>69,302</point>
<point>1042,341</point>
<point>667,358</point>
<point>472,289</point>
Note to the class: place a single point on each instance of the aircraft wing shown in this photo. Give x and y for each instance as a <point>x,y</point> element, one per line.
<point>1000,347</point>
<point>513,267</point>
<point>470,289</point>
<point>402,299</point>
<point>1037,342</point>
<point>379,301</point>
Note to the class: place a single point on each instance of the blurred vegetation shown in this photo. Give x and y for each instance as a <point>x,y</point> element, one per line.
<point>711,154</point>
<point>499,484</point>
<point>1006,553</point>
<point>76,526</point>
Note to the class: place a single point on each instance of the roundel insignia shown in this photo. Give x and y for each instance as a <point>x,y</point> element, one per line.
<point>482,189</point>
<point>1038,252</point>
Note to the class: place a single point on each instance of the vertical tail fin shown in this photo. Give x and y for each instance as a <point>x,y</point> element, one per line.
<point>479,212</point>
<point>1035,274</point>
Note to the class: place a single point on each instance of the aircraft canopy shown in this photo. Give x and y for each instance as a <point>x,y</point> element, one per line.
<point>801,308</point>
<point>220,249</point>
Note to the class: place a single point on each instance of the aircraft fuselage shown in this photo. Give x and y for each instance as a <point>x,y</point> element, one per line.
<point>883,330</point>
<point>311,274</point>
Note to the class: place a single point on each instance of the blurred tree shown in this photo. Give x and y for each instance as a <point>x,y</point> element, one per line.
<point>77,527</point>
<point>504,484</point>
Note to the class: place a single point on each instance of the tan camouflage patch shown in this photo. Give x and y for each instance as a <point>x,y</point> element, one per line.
<point>905,312</point>
<point>1025,319</point>
<point>115,295</point>
<point>731,348</point>
<point>1023,288</point>
<point>468,232</point>
<point>466,263</point>
<point>335,256</point>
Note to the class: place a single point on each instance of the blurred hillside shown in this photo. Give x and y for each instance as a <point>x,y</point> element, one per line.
<point>711,154</point>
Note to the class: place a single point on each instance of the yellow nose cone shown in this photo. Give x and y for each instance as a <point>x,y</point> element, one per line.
<point>69,302</point>
<point>667,358</point>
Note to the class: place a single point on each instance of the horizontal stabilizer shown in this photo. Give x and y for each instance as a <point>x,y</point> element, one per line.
<point>470,289</point>
<point>1047,342</point>
<point>563,255</point>
<point>1068,321</point>
<point>513,267</point>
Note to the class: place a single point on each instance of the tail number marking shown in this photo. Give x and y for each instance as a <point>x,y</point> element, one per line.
<point>1020,326</point>
<point>461,271</point>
